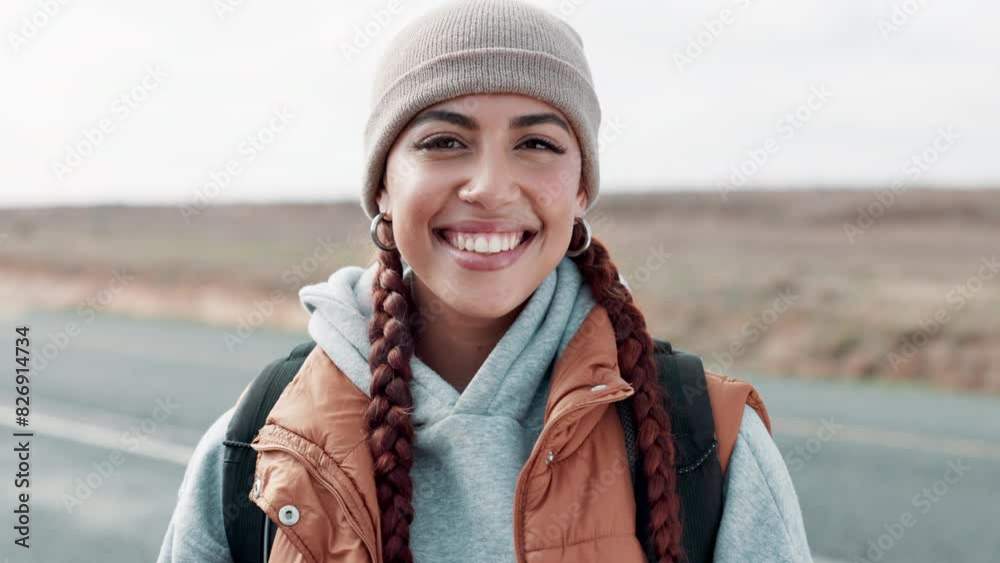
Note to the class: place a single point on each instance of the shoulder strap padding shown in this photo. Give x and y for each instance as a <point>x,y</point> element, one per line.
<point>691,421</point>
<point>244,521</point>
<point>729,396</point>
<point>699,477</point>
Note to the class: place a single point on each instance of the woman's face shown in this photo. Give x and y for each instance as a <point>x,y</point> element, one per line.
<point>483,171</point>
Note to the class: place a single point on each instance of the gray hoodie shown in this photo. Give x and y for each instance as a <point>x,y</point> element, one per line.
<point>471,446</point>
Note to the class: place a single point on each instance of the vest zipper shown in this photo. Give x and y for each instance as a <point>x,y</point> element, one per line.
<point>314,472</point>
<point>609,396</point>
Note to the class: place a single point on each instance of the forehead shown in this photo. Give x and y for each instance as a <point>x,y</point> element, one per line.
<point>494,104</point>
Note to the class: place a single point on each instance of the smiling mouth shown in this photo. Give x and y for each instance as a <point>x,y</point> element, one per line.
<point>484,243</point>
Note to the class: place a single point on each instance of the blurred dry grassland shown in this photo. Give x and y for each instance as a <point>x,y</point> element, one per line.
<point>909,299</point>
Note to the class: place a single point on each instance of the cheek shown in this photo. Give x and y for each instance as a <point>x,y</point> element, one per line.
<point>404,173</point>
<point>553,190</point>
<point>414,211</point>
<point>416,193</point>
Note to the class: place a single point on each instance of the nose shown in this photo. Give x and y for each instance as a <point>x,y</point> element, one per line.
<point>491,185</point>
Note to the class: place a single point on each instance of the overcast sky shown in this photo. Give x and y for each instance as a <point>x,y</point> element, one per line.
<point>689,90</point>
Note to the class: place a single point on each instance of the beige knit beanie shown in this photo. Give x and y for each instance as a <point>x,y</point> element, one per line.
<point>478,47</point>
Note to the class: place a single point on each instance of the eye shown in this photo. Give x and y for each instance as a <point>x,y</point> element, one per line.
<point>443,142</point>
<point>545,145</point>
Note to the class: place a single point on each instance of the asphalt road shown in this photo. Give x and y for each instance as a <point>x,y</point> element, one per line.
<point>862,456</point>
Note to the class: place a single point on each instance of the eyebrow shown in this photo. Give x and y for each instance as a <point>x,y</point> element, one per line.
<point>467,122</point>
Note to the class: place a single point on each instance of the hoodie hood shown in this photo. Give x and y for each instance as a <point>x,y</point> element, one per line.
<point>506,383</point>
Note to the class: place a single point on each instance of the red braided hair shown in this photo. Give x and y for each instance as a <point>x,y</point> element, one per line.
<point>637,366</point>
<point>391,431</point>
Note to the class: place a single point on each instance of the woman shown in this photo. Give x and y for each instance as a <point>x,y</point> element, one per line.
<point>457,404</point>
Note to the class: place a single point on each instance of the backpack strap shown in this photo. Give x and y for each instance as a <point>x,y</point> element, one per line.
<point>700,478</point>
<point>706,410</point>
<point>702,453</point>
<point>244,521</point>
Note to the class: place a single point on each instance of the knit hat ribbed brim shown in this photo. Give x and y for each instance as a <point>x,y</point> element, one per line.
<point>481,47</point>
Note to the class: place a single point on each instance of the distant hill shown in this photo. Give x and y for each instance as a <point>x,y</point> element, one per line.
<point>865,294</point>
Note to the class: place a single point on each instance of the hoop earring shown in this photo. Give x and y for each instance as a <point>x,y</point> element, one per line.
<point>586,244</point>
<point>373,231</point>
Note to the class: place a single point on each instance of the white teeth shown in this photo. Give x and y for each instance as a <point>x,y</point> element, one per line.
<point>484,243</point>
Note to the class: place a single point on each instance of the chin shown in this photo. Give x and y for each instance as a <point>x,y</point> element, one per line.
<point>487,305</point>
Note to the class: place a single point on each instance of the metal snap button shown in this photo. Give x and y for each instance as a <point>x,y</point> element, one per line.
<point>288,515</point>
<point>598,387</point>
<point>550,458</point>
<point>256,488</point>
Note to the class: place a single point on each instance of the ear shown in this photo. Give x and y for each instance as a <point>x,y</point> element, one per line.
<point>581,200</point>
<point>383,200</point>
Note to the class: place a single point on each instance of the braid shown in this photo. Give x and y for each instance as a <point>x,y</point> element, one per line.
<point>390,430</point>
<point>637,366</point>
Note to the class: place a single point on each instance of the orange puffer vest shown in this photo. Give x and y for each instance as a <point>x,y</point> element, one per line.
<point>314,474</point>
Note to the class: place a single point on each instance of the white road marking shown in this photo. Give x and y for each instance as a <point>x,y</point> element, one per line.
<point>885,438</point>
<point>149,446</point>
<point>179,454</point>
<point>165,450</point>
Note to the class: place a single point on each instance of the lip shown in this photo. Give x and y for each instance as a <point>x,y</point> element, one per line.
<point>485,227</point>
<point>483,262</point>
